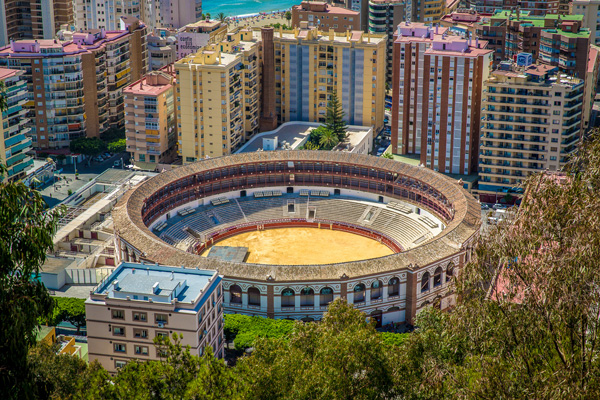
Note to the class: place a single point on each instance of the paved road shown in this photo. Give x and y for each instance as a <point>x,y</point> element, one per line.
<point>57,192</point>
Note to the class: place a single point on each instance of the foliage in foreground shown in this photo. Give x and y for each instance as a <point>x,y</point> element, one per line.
<point>68,309</point>
<point>25,237</point>
<point>245,330</point>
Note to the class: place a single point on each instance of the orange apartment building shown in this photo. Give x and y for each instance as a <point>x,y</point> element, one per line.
<point>326,16</point>
<point>139,302</point>
<point>150,119</point>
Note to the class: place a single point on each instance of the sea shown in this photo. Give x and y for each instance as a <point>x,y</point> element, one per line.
<point>245,7</point>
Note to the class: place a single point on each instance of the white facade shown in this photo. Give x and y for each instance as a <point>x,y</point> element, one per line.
<point>590,9</point>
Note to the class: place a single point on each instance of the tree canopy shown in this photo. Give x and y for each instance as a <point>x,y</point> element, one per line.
<point>25,238</point>
<point>87,146</point>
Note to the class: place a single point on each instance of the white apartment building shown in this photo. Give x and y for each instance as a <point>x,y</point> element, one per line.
<point>590,9</point>
<point>139,302</point>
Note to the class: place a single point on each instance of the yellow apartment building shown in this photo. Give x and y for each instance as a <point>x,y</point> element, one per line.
<point>311,64</point>
<point>217,97</point>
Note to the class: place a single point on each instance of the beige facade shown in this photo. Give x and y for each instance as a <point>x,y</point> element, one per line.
<point>311,64</point>
<point>150,125</point>
<point>531,121</point>
<point>218,93</point>
<point>139,302</point>
<point>590,9</point>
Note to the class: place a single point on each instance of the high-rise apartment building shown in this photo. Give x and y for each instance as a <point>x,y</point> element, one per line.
<point>531,122</point>
<point>437,97</point>
<point>150,124</point>
<point>534,7</point>
<point>590,10</point>
<point>162,48</point>
<point>194,36</point>
<point>33,19</point>
<point>218,92</point>
<point>310,65</point>
<point>75,86</point>
<point>97,14</point>
<point>326,16</point>
<point>14,144</point>
<point>139,302</point>
<point>172,14</point>
<point>384,17</point>
<point>510,33</point>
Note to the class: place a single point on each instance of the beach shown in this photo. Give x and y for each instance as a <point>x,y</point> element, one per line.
<point>245,8</point>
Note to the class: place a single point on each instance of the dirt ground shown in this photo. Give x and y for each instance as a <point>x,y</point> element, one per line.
<point>297,246</point>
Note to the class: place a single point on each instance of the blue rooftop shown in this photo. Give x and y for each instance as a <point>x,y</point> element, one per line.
<point>159,283</point>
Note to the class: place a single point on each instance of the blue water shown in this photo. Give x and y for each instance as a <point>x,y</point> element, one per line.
<point>244,7</point>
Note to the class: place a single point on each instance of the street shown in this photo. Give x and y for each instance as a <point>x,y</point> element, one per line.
<point>57,192</point>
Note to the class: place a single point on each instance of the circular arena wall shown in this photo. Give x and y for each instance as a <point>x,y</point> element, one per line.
<point>392,288</point>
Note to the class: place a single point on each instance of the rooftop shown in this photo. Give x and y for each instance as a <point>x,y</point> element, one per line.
<point>8,73</point>
<point>186,284</point>
<point>323,7</point>
<point>154,83</point>
<point>292,135</point>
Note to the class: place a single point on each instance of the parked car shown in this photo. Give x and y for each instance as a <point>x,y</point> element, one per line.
<point>117,163</point>
<point>498,206</point>
<point>484,206</point>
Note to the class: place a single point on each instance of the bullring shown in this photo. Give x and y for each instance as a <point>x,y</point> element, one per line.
<point>392,288</point>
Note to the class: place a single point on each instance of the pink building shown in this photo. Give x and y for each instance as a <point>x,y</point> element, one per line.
<point>437,83</point>
<point>139,302</point>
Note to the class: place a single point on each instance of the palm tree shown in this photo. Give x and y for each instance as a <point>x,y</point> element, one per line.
<point>3,102</point>
<point>288,16</point>
<point>388,155</point>
<point>207,15</point>
<point>329,139</point>
<point>221,17</point>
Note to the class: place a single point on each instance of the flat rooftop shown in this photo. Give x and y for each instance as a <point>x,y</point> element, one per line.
<point>295,134</point>
<point>140,278</point>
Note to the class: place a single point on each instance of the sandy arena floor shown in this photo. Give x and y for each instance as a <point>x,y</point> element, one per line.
<point>293,246</point>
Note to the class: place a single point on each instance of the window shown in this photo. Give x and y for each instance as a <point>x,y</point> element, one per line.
<point>376,290</point>
<point>120,363</point>
<point>359,293</point>
<point>437,277</point>
<point>160,318</point>
<point>140,333</point>
<point>119,348</point>
<point>425,282</point>
<point>235,293</point>
<point>118,314</point>
<point>254,296</point>
<point>394,287</point>
<point>162,334</point>
<point>143,350</point>
<point>326,296</point>
<point>288,298</point>
<point>449,272</point>
<point>307,297</point>
<point>118,331</point>
<point>140,316</point>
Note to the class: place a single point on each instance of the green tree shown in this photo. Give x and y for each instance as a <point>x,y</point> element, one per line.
<point>26,236</point>
<point>3,101</point>
<point>207,15</point>
<point>118,146</point>
<point>288,16</point>
<point>245,330</point>
<point>342,357</point>
<point>329,140</point>
<point>54,375</point>
<point>335,118</point>
<point>69,309</point>
<point>527,325</point>
<point>388,155</point>
<point>89,147</point>
<point>222,17</point>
